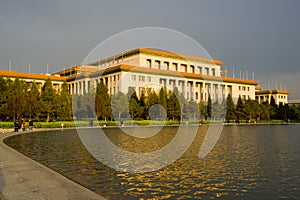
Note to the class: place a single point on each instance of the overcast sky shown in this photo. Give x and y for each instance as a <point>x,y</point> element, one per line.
<point>255,36</point>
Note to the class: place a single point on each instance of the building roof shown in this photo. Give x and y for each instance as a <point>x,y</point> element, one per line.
<point>130,68</point>
<point>75,69</point>
<point>271,92</point>
<point>14,74</point>
<point>156,52</point>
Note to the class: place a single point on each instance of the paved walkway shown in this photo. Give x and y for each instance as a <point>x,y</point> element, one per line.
<point>23,178</point>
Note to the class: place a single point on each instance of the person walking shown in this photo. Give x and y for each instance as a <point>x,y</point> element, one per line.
<point>16,125</point>
<point>23,125</point>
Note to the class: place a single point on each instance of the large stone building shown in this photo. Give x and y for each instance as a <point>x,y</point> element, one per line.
<point>142,68</point>
<point>197,78</point>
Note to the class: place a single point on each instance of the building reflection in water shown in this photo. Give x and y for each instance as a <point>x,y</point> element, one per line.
<point>248,161</point>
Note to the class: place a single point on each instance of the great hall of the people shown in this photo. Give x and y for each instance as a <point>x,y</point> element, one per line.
<point>196,78</point>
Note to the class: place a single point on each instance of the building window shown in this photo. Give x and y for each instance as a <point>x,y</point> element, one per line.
<point>200,69</point>
<point>213,71</point>
<point>207,70</point>
<point>142,78</point>
<point>133,77</point>
<point>248,88</point>
<point>149,78</point>
<point>192,69</point>
<point>157,64</point>
<point>175,66</point>
<point>196,95</point>
<point>166,65</point>
<point>148,62</point>
<point>239,87</point>
<point>183,67</point>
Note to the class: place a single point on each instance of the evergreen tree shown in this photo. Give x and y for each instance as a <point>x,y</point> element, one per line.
<point>119,104</point>
<point>34,104</point>
<point>230,108</point>
<point>292,112</point>
<point>208,108</point>
<point>173,105</point>
<point>251,109</point>
<point>135,110</point>
<point>63,103</point>
<point>3,98</point>
<point>143,104</point>
<point>240,109</point>
<point>219,110</point>
<point>163,102</point>
<point>48,99</point>
<point>274,108</point>
<point>102,102</point>
<point>265,111</point>
<point>281,112</point>
<point>17,99</point>
<point>193,111</point>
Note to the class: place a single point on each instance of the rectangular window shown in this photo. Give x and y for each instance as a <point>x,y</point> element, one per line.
<point>183,67</point>
<point>142,78</point>
<point>157,64</point>
<point>192,69</point>
<point>200,69</point>
<point>213,71</point>
<point>207,70</point>
<point>175,66</point>
<point>148,62</point>
<point>149,78</point>
<point>133,77</point>
<point>166,65</point>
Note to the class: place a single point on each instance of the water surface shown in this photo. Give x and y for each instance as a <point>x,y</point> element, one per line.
<point>248,162</point>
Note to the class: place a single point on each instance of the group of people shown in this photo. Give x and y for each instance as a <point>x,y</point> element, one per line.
<point>22,125</point>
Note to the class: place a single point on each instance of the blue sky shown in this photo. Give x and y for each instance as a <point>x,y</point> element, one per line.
<point>254,36</point>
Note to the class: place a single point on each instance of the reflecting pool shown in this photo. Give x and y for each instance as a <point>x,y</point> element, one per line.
<point>248,162</point>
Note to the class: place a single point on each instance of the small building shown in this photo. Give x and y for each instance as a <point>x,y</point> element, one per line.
<point>280,96</point>
<point>295,102</point>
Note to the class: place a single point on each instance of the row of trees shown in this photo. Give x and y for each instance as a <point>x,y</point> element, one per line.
<point>171,105</point>
<point>26,100</point>
<point>22,100</point>
<point>252,110</point>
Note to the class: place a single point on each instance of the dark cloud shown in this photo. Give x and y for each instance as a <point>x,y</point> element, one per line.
<point>258,36</point>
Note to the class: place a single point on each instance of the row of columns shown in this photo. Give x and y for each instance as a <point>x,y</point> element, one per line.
<point>198,90</point>
<point>180,67</point>
<point>83,86</point>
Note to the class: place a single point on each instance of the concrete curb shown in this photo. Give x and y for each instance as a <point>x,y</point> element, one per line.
<point>23,178</point>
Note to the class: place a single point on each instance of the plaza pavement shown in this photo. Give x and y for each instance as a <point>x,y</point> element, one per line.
<point>22,178</point>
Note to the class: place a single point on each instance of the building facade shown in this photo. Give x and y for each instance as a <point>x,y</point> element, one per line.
<point>280,96</point>
<point>39,79</point>
<point>196,78</point>
<point>143,68</point>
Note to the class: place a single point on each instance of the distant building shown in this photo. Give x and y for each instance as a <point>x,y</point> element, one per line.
<point>142,68</point>
<point>295,102</point>
<point>39,79</point>
<point>280,96</point>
